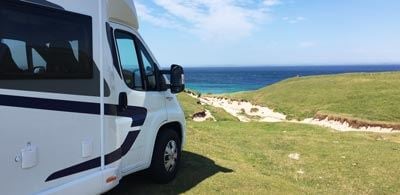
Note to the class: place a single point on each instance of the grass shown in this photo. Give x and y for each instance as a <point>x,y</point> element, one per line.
<point>230,157</point>
<point>369,96</point>
<point>190,105</point>
<point>239,158</point>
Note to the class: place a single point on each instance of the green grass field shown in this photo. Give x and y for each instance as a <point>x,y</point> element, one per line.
<point>230,157</point>
<point>369,96</point>
<point>242,158</point>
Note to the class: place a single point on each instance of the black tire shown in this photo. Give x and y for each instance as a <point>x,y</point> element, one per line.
<point>158,170</point>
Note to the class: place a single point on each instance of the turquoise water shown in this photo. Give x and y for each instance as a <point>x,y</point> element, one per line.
<point>234,79</point>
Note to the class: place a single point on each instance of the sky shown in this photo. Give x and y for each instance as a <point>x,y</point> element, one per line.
<point>271,32</point>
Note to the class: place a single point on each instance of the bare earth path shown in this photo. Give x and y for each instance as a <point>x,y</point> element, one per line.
<point>247,112</point>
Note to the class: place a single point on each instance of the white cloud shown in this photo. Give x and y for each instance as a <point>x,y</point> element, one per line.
<point>209,19</point>
<point>146,14</point>
<point>272,2</point>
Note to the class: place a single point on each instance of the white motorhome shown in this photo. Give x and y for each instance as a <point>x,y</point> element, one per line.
<point>83,102</point>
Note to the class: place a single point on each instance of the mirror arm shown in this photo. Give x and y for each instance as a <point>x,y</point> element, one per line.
<point>164,72</point>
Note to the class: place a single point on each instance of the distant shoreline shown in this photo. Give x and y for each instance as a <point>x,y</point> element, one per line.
<point>216,80</point>
<point>289,65</point>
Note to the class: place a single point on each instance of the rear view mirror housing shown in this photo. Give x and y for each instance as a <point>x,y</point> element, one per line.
<point>177,78</point>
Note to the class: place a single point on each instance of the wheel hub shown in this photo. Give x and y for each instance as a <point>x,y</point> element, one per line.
<point>170,156</point>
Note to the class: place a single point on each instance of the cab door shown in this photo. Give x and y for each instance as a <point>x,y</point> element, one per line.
<point>143,85</point>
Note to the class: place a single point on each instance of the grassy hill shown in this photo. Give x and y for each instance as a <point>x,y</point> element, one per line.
<point>231,157</point>
<point>372,96</point>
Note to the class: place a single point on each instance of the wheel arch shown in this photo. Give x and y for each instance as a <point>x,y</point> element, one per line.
<point>176,126</point>
<point>154,169</point>
<point>173,125</point>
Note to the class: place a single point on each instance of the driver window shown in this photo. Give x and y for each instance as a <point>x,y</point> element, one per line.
<point>150,71</point>
<point>129,60</point>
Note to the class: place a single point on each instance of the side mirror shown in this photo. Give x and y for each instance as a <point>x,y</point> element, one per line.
<point>123,102</point>
<point>177,79</point>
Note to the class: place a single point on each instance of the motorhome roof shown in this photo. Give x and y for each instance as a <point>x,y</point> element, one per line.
<point>123,11</point>
<point>120,11</point>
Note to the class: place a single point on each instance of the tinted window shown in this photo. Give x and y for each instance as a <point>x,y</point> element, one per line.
<point>150,71</point>
<point>38,42</point>
<point>17,51</point>
<point>129,60</point>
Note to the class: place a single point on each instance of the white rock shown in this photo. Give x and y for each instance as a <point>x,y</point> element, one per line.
<point>301,172</point>
<point>294,156</point>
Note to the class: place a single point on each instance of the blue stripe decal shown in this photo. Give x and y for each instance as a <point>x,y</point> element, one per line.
<point>124,149</point>
<point>96,162</point>
<point>48,104</point>
<point>138,114</point>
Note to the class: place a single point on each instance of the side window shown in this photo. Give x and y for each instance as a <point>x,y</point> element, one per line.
<point>39,64</point>
<point>18,53</point>
<point>150,71</point>
<point>38,44</point>
<point>129,60</point>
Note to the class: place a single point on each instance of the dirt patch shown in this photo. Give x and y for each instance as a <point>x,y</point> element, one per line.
<point>244,110</point>
<point>357,123</point>
<point>200,115</point>
<point>203,116</point>
<point>247,112</point>
<point>254,110</point>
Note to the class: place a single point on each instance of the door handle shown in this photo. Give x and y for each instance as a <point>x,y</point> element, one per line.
<point>169,98</point>
<point>122,101</point>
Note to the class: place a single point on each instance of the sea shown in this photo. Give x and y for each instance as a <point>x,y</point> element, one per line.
<point>217,80</point>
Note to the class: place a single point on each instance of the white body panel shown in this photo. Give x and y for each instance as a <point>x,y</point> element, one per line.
<point>62,144</point>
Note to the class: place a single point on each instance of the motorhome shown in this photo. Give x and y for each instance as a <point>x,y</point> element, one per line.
<point>83,102</point>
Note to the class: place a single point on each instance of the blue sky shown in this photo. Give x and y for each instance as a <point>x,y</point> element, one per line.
<point>271,32</point>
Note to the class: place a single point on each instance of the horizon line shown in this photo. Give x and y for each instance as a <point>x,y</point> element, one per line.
<point>288,65</point>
